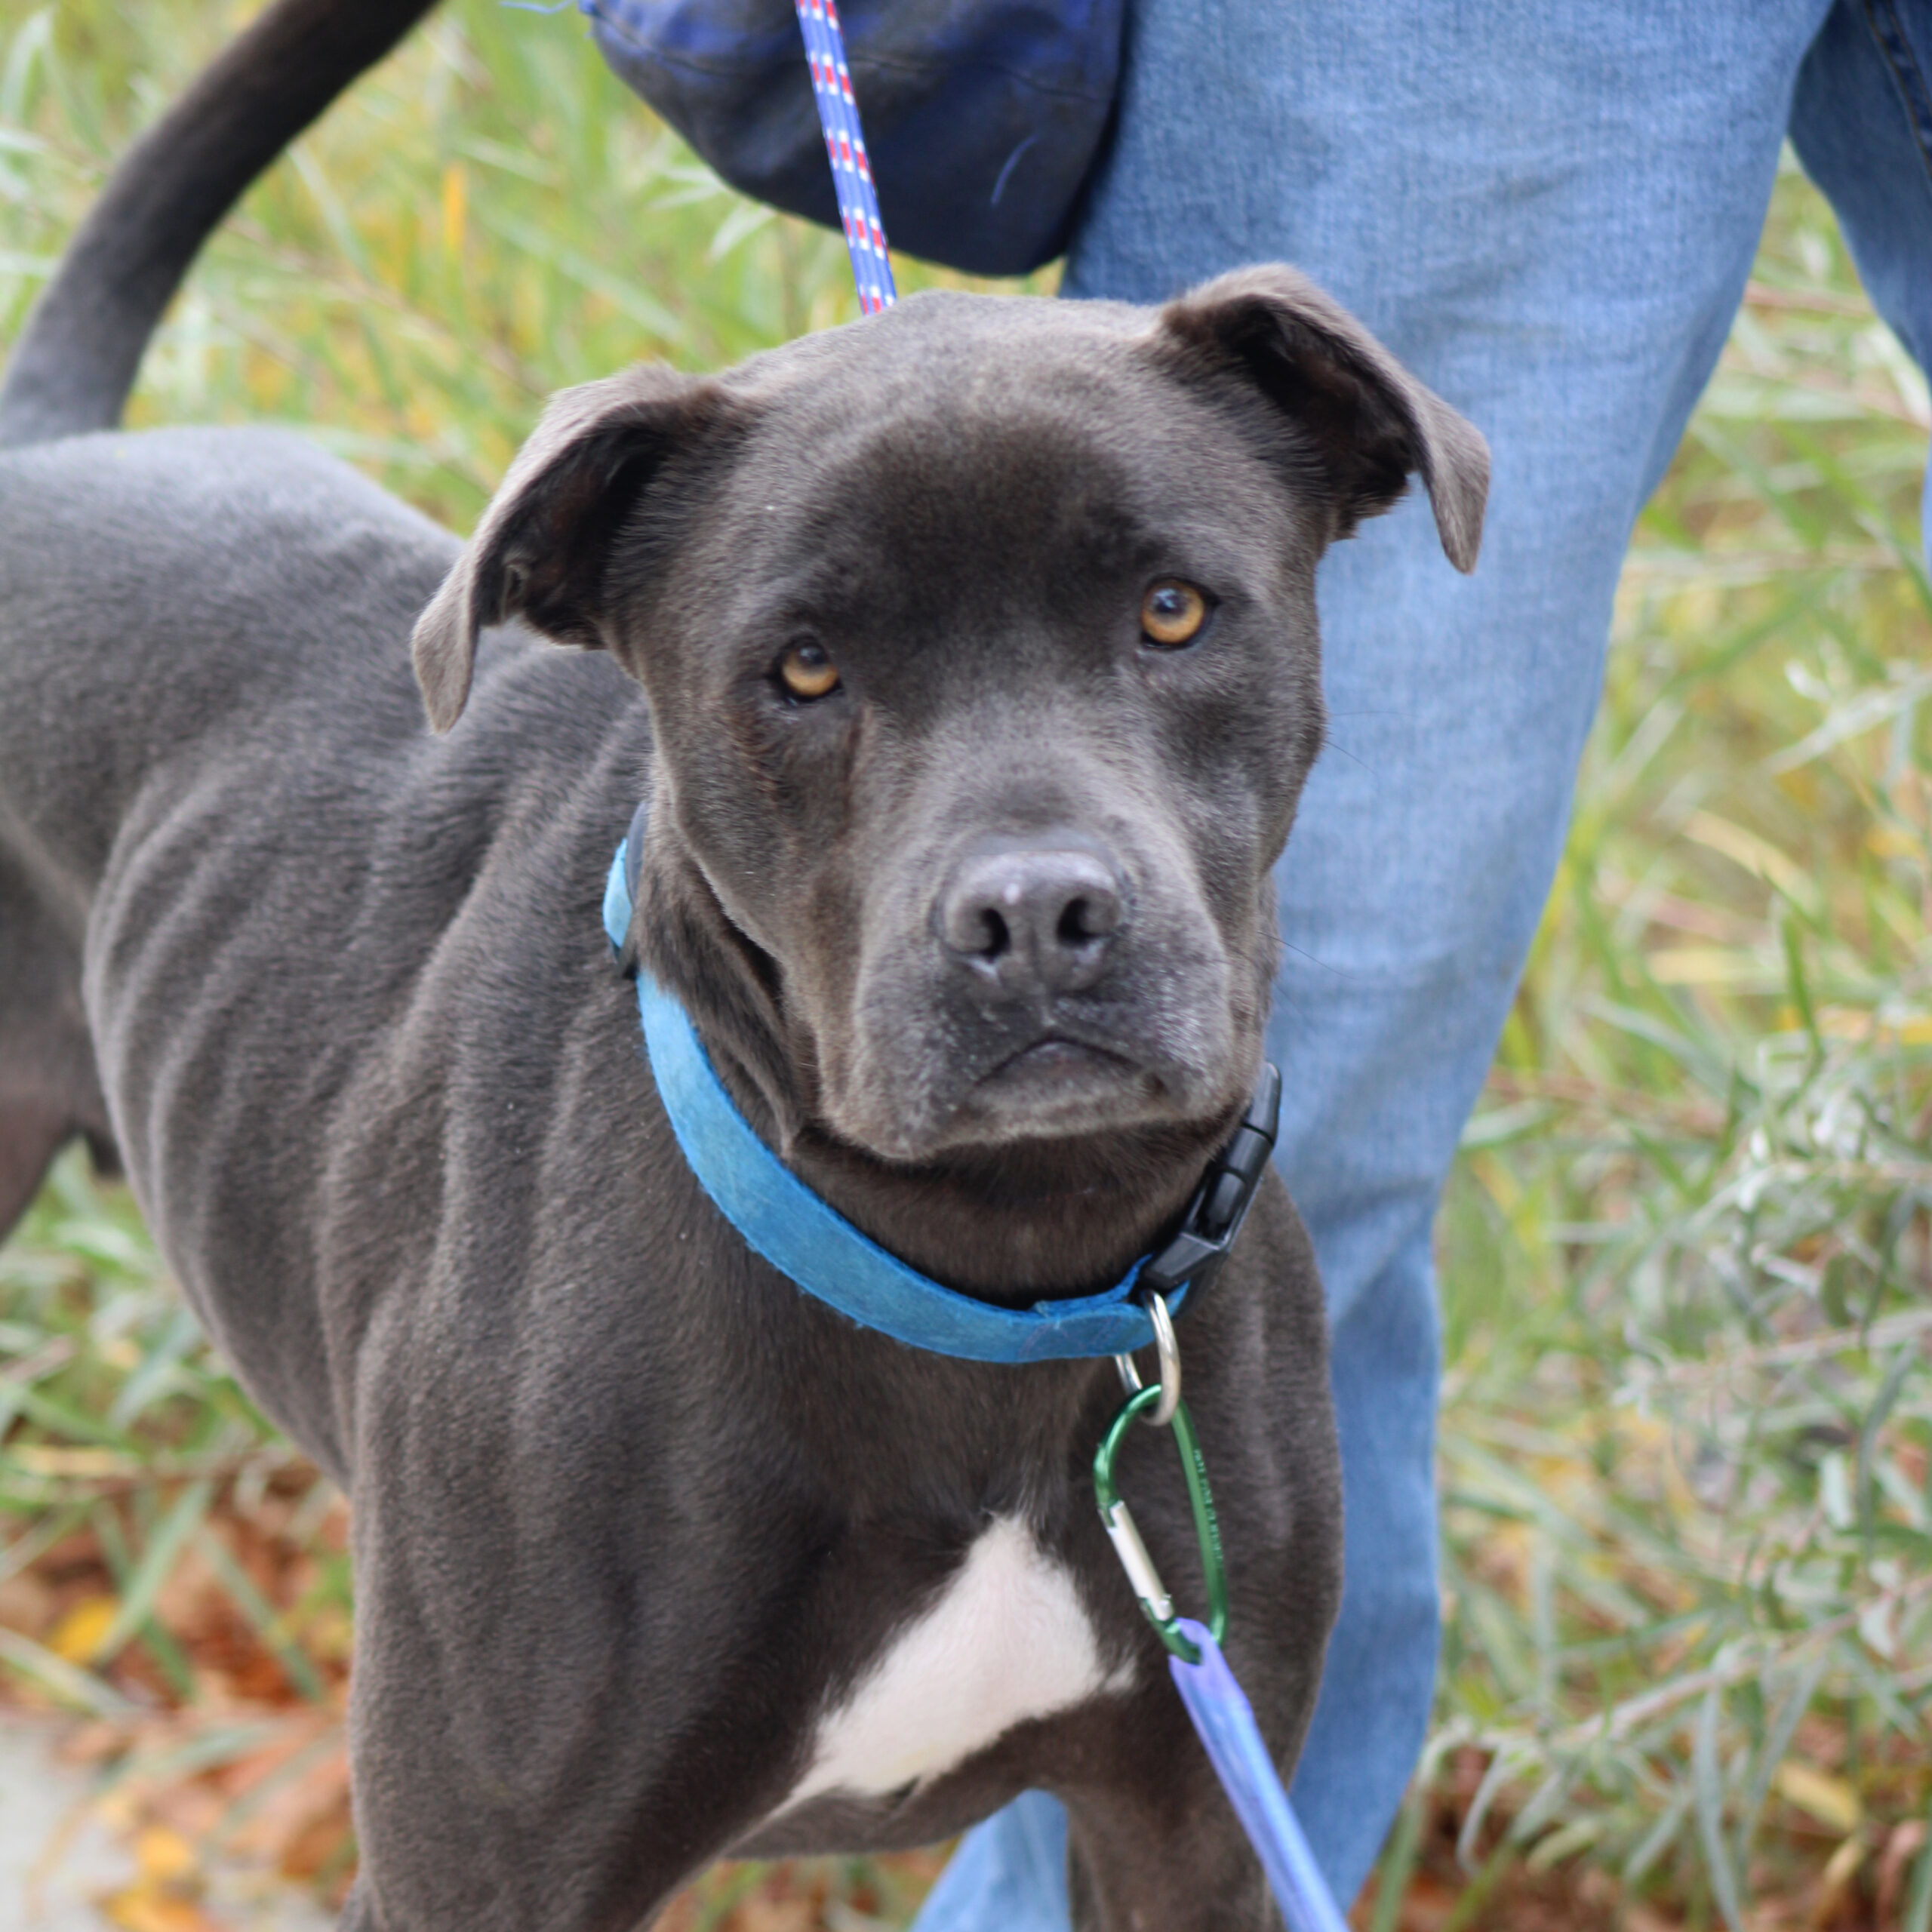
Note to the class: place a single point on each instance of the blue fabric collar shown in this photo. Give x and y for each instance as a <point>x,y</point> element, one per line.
<point>818,1249</point>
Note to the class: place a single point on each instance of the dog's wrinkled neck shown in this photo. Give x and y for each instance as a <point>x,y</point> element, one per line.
<point>1011,1223</point>
<point>1014,1224</point>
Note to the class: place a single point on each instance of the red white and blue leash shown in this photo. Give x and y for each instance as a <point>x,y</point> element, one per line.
<point>1221,1712</point>
<point>845,145</point>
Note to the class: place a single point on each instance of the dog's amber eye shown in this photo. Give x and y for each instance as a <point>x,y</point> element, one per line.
<point>807,669</point>
<point>1172,613</point>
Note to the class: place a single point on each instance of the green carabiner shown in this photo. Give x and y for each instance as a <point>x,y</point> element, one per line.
<point>1125,1534</point>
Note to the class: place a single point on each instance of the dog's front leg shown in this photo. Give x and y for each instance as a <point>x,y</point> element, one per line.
<point>442,1852</point>
<point>1172,1860</point>
<point>534,1747</point>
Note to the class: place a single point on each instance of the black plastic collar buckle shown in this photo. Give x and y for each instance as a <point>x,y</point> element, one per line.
<point>1220,1203</point>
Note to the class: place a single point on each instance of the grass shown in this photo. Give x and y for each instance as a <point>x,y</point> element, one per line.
<point>1686,1269</point>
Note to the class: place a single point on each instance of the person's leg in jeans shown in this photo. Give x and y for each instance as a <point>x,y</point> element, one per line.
<point>1862,124</point>
<point>1549,214</point>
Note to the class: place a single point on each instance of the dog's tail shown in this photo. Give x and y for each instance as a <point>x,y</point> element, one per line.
<point>78,354</point>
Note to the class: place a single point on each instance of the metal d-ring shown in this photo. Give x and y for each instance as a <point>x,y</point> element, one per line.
<point>1169,1351</point>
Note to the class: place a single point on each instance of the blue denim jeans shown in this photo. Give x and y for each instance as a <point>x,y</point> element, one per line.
<point>1548,209</point>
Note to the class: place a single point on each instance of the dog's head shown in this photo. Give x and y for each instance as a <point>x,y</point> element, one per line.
<point>979,639</point>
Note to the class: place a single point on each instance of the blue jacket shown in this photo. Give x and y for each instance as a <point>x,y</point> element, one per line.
<point>984,118</point>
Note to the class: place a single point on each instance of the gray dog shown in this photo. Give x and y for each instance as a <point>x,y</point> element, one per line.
<point>965,660</point>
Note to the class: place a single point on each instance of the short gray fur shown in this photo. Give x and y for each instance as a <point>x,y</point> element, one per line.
<point>630,1511</point>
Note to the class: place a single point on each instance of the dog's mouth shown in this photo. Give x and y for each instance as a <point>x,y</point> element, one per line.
<point>1057,1079</point>
<point>1056,1060</point>
<point>1062,1082</point>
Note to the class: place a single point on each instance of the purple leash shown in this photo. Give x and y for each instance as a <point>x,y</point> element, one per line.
<point>1225,1720</point>
<point>1215,1702</point>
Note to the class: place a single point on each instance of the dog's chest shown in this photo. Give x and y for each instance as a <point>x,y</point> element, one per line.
<point>1008,1640</point>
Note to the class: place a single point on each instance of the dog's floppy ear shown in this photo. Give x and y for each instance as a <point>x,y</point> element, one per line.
<point>540,551</point>
<point>1370,423</point>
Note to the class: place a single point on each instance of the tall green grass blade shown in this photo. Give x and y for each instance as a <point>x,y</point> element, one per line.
<point>154,1567</point>
<point>1919,1903</point>
<point>268,1623</point>
<point>80,1690</point>
<point>1707,1781</point>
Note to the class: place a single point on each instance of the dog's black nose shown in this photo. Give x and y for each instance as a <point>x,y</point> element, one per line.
<point>1034,915</point>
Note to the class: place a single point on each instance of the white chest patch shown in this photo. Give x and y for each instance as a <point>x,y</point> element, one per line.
<point>1008,1640</point>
